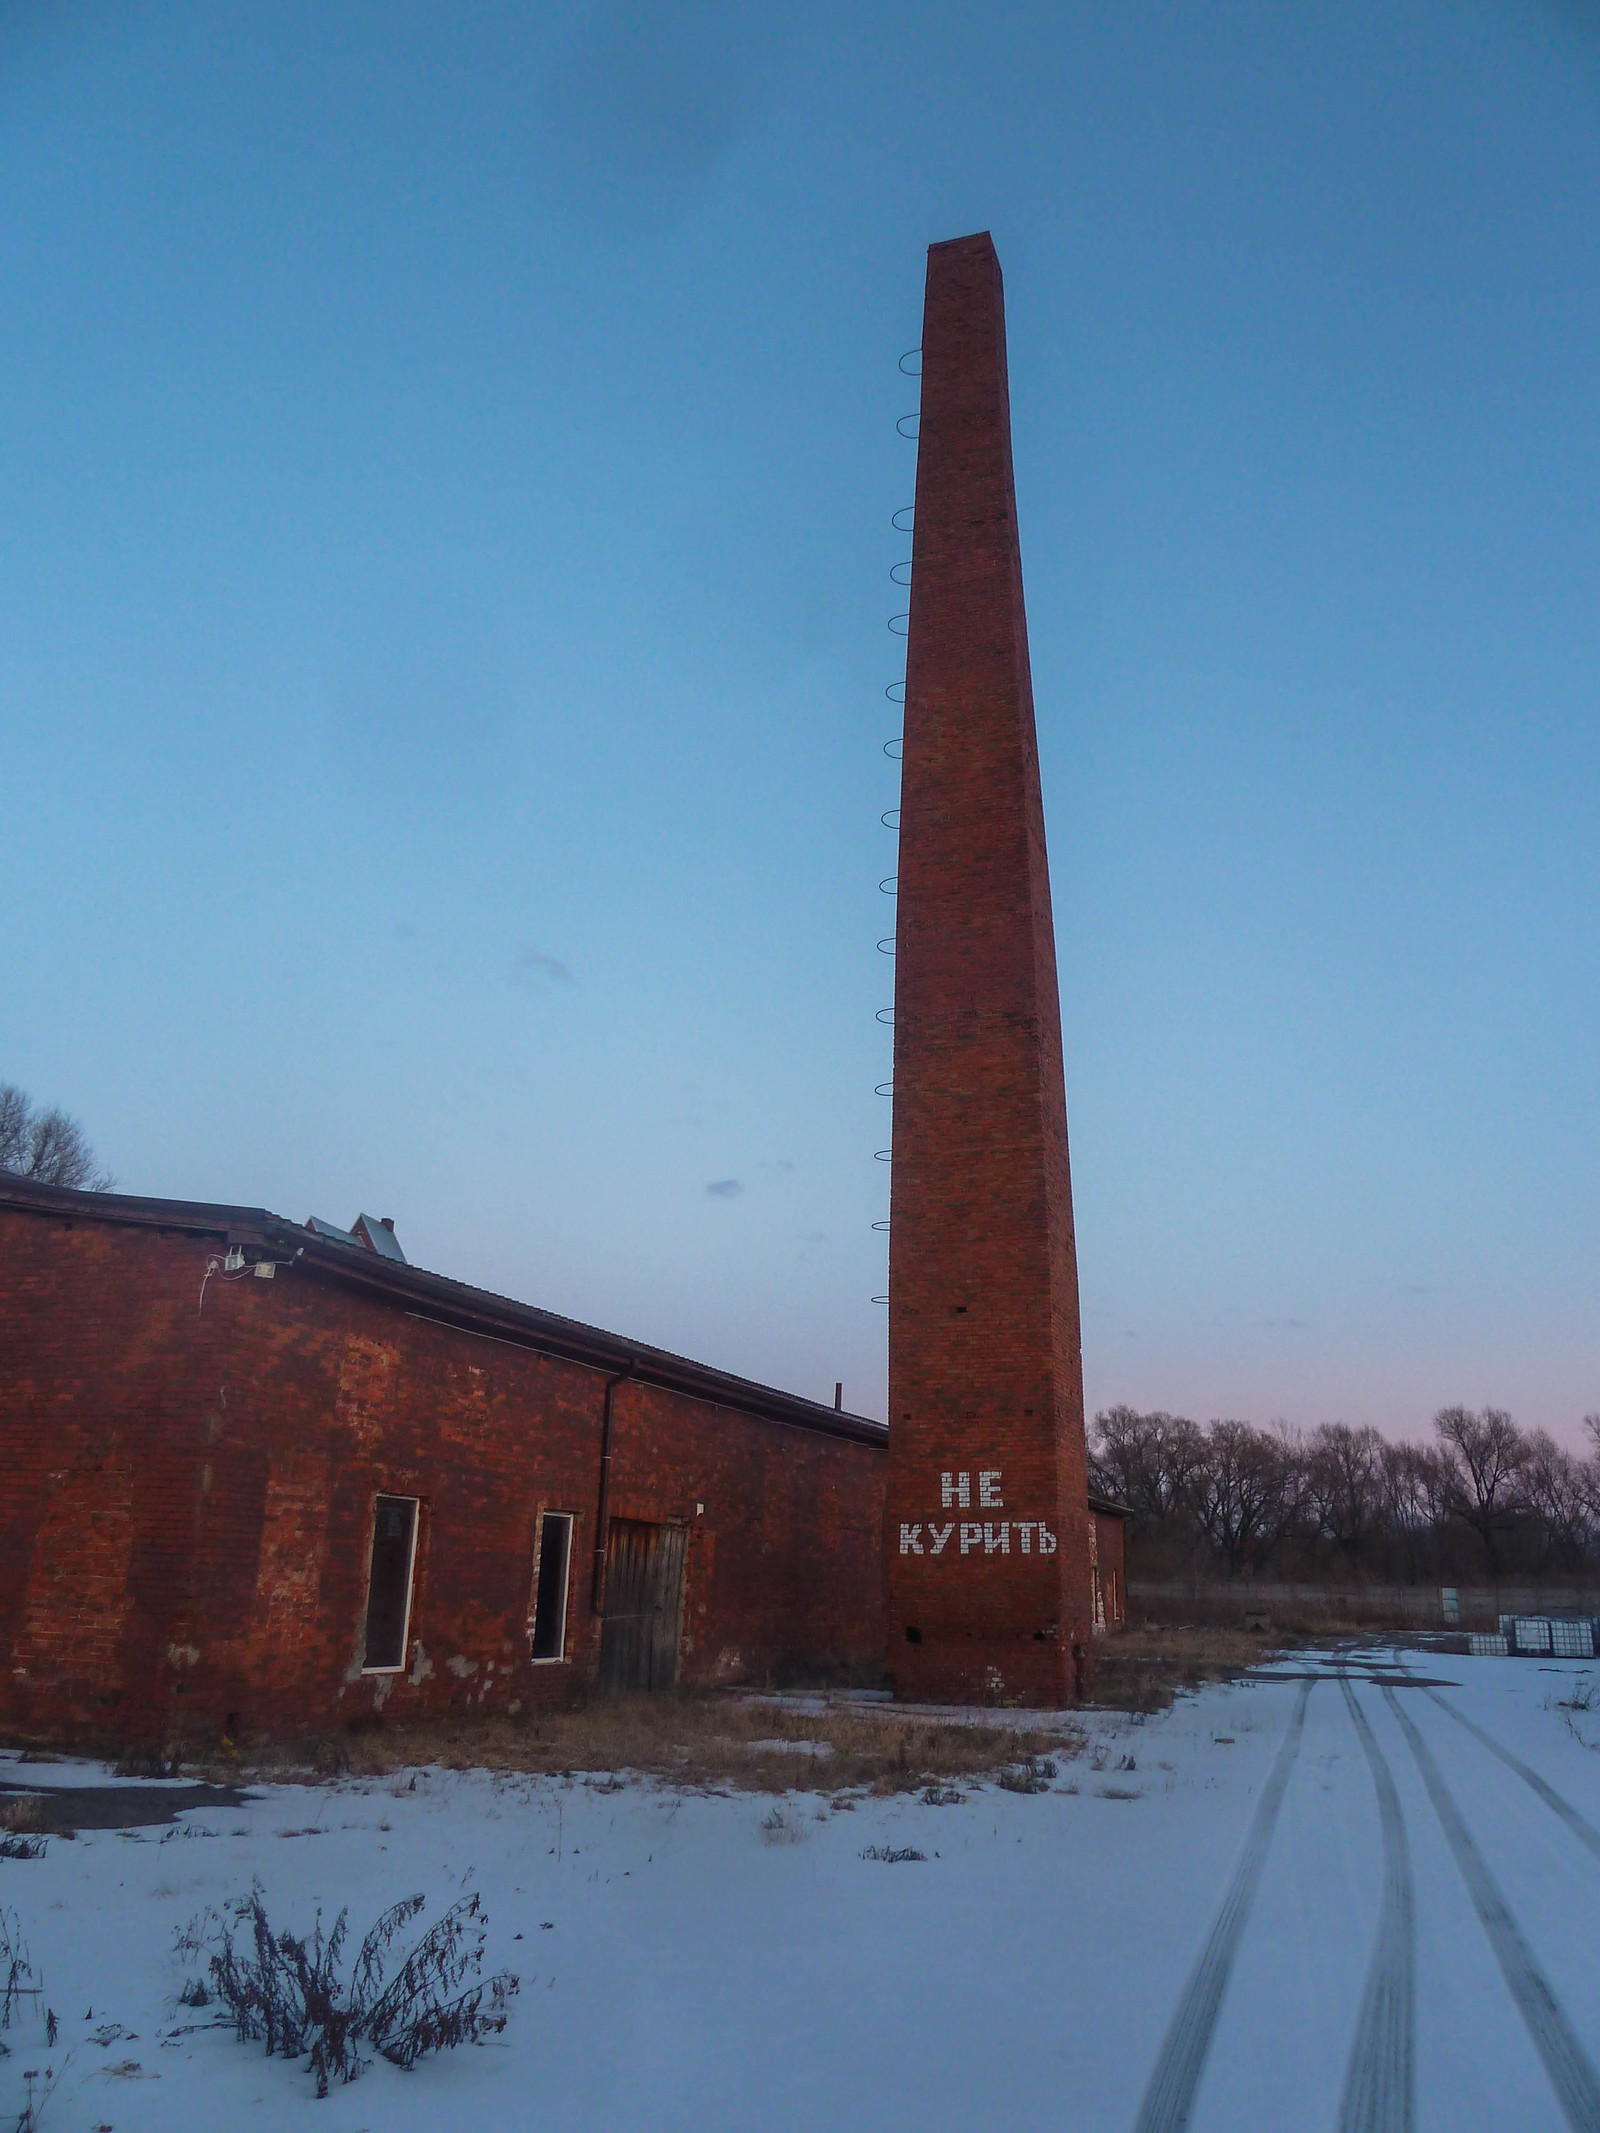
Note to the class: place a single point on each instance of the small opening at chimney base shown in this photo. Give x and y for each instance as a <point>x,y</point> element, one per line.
<point>913,1635</point>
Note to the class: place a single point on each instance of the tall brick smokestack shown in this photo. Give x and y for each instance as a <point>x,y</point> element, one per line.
<point>988,1538</point>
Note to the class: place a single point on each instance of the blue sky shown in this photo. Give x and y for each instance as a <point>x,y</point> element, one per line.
<point>446,464</point>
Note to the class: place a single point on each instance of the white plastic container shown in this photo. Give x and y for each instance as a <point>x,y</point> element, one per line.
<point>1572,1640</point>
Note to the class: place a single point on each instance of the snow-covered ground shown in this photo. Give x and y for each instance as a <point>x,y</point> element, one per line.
<point>1206,1920</point>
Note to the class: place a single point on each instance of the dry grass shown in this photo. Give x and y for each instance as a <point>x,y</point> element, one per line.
<point>20,1813</point>
<point>724,1739</point>
<point>720,1740</point>
<point>1143,1669</point>
<point>710,1742</point>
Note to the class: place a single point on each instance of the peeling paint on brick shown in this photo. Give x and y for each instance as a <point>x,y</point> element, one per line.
<point>77,1598</point>
<point>294,1535</point>
<point>366,1372</point>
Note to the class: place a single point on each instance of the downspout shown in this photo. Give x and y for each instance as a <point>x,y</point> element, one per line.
<point>597,1581</point>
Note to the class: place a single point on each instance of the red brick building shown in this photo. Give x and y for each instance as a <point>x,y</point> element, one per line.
<point>263,1477</point>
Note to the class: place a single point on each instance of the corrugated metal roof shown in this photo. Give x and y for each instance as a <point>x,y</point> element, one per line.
<point>379,1237</point>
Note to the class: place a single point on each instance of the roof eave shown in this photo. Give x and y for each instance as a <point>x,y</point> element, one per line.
<point>452,1304</point>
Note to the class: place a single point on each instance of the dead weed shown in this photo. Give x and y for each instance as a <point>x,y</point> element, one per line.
<point>1143,1669</point>
<point>707,1742</point>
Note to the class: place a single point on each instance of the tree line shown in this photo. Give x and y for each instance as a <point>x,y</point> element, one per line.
<point>1482,1499</point>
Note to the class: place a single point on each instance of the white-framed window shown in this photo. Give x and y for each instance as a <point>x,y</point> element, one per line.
<point>550,1588</point>
<point>394,1556</point>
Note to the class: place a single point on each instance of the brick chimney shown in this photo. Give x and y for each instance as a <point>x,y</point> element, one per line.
<point>988,1538</point>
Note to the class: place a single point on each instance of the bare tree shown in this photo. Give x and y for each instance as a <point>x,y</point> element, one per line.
<point>1344,1485</point>
<point>1248,1493</point>
<point>46,1145</point>
<point>1411,1477</point>
<point>1149,1462</point>
<point>1557,1490</point>
<point>1589,1471</point>
<point>1484,1456</point>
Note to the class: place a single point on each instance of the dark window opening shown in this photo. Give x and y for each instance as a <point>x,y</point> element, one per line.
<point>913,1634</point>
<point>394,1539</point>
<point>550,1596</point>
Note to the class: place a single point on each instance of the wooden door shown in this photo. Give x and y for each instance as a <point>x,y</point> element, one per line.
<point>644,1603</point>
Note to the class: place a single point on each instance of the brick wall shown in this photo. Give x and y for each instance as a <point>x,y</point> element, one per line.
<point>185,1527</point>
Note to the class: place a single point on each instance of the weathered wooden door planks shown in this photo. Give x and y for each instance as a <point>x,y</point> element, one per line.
<point>644,1604</point>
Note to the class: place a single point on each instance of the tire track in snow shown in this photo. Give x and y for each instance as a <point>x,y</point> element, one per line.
<point>1380,2079</point>
<point>1169,2098</point>
<point>1571,2075</point>
<point>1583,1830</point>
